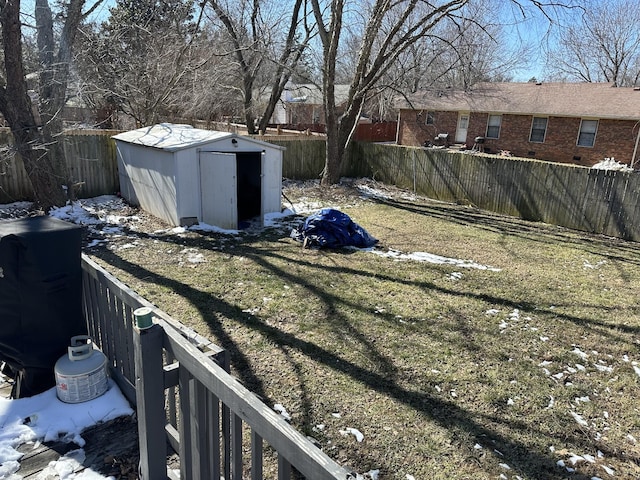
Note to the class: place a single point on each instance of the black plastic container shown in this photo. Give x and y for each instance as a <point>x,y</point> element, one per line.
<point>40,298</point>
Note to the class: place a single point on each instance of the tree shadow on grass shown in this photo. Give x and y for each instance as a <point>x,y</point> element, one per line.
<point>382,379</point>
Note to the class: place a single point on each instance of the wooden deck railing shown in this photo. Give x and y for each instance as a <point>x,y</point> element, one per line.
<point>108,306</point>
<point>181,386</point>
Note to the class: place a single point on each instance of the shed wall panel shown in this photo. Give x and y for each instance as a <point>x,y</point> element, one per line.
<point>151,179</point>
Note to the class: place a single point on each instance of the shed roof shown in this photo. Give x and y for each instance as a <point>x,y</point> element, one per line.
<point>598,100</point>
<point>173,137</point>
<point>311,94</point>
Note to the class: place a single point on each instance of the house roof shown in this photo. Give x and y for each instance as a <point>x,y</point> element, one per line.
<point>173,137</point>
<point>598,100</point>
<point>309,94</point>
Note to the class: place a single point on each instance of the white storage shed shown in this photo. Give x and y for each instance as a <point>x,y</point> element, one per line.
<point>186,175</point>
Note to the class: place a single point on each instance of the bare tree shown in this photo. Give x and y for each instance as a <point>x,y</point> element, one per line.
<point>457,53</point>
<point>388,30</point>
<point>602,45</point>
<point>205,94</point>
<point>37,139</point>
<point>476,49</point>
<point>267,42</point>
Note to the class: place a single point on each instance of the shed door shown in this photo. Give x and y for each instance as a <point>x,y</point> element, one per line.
<point>218,187</point>
<point>463,126</point>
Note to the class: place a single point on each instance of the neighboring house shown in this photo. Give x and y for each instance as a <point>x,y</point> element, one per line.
<point>302,104</point>
<point>301,108</point>
<point>580,123</point>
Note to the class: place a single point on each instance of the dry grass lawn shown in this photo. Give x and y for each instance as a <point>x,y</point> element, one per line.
<point>528,370</point>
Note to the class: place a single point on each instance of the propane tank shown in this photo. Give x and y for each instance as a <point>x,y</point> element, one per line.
<point>81,375</point>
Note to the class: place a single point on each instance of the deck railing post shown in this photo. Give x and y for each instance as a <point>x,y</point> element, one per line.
<point>150,402</point>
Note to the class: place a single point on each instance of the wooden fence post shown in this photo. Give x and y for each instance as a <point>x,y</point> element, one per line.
<point>150,402</point>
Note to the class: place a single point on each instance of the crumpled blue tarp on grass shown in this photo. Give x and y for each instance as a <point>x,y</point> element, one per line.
<point>330,228</point>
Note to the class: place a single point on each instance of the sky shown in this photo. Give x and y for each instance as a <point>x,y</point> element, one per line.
<point>529,27</point>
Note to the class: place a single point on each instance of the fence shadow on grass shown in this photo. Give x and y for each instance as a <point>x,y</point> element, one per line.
<point>623,250</point>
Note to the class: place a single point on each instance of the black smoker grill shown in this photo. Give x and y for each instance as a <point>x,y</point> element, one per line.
<point>40,298</point>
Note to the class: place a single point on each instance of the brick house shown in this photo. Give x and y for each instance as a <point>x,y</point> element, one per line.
<point>579,123</point>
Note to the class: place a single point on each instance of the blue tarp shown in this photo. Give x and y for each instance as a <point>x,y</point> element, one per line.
<point>330,228</point>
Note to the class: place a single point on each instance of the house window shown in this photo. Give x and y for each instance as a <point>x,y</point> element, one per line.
<point>538,129</point>
<point>430,118</point>
<point>493,126</point>
<point>587,135</point>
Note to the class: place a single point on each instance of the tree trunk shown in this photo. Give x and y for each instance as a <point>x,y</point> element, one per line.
<point>335,153</point>
<point>249,119</point>
<point>15,104</point>
<point>339,138</point>
<point>289,58</point>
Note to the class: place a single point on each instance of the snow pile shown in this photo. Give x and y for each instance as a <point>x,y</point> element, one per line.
<point>44,418</point>
<point>611,163</point>
<point>91,211</point>
<point>278,407</point>
<point>353,431</point>
<point>97,215</point>
<point>436,259</point>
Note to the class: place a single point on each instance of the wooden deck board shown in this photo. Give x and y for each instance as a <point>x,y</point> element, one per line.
<point>36,458</point>
<point>111,448</point>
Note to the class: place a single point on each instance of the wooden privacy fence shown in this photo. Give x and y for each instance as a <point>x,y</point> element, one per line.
<point>93,163</point>
<point>184,394</point>
<point>303,158</point>
<point>598,201</point>
<point>591,200</point>
<point>91,158</point>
